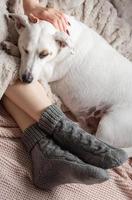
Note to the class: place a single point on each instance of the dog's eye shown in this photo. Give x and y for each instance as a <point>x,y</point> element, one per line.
<point>43,54</point>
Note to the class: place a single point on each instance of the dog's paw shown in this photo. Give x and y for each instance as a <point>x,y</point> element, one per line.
<point>10,48</point>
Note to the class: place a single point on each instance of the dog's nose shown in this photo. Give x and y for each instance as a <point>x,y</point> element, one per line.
<point>27,78</point>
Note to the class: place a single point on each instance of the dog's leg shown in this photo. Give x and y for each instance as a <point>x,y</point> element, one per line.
<point>115,128</point>
<point>10,48</point>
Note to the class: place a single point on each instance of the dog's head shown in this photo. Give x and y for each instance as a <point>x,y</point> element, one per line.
<point>38,43</point>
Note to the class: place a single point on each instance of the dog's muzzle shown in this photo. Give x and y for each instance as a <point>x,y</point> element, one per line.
<point>27,78</point>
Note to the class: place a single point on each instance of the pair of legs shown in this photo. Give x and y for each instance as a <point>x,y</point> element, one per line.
<point>61,151</point>
<point>25,103</point>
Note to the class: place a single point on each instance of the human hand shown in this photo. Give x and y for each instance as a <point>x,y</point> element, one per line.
<point>55,17</point>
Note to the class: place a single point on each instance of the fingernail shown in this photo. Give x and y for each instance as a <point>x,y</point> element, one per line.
<point>69,24</point>
<point>35,20</point>
<point>67,32</point>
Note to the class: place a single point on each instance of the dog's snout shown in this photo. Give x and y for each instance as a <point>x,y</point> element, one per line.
<point>27,78</point>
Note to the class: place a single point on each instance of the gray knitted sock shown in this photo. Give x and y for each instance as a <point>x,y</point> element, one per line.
<point>70,136</point>
<point>53,166</point>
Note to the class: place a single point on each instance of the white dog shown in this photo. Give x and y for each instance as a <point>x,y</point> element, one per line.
<point>94,82</point>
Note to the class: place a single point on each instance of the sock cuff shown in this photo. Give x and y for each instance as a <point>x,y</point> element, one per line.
<point>49,118</point>
<point>32,135</point>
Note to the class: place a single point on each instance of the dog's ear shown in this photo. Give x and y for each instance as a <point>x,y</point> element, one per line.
<point>21,21</point>
<point>63,40</point>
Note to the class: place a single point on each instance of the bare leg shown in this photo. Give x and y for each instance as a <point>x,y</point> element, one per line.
<point>22,119</point>
<point>29,97</point>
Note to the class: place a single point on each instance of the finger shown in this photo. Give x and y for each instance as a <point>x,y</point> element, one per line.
<point>61,28</point>
<point>41,15</point>
<point>32,18</point>
<point>65,27</point>
<point>63,23</point>
<point>55,23</point>
<point>64,17</point>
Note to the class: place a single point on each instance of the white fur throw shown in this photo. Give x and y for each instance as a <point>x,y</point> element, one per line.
<point>105,16</point>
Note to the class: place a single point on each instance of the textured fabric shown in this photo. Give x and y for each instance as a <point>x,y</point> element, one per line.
<point>16,174</point>
<point>63,4</point>
<point>53,166</point>
<point>104,17</point>
<point>8,64</point>
<point>32,135</point>
<point>16,180</point>
<point>124,9</point>
<point>50,117</point>
<point>70,136</point>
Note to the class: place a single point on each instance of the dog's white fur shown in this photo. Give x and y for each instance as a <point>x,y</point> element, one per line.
<point>96,75</point>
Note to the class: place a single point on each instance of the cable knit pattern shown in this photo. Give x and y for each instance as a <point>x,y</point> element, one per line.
<point>70,136</point>
<point>53,166</point>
